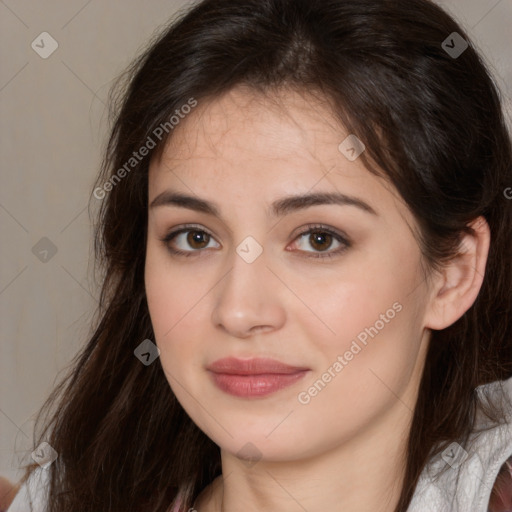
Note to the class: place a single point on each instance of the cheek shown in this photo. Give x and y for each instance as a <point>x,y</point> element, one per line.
<point>364,293</point>
<point>367,330</point>
<point>173,302</point>
<point>362,327</point>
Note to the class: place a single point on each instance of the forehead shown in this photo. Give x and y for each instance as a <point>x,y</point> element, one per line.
<point>243,125</point>
<point>245,142</point>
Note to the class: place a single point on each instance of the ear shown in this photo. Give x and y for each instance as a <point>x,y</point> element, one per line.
<point>456,287</point>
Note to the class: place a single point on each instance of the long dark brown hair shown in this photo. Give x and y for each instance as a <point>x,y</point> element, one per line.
<point>432,124</point>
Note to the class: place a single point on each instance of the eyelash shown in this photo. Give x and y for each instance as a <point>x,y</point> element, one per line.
<point>319,228</point>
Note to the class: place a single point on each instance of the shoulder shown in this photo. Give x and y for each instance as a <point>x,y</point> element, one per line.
<point>461,480</point>
<point>33,494</point>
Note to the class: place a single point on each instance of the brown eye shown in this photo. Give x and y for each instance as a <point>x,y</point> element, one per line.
<point>190,241</point>
<point>197,239</point>
<point>187,241</point>
<point>320,240</point>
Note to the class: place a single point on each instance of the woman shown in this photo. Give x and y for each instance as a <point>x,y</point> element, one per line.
<point>305,238</point>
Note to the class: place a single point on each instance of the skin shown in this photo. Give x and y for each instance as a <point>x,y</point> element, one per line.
<point>344,450</point>
<point>8,492</point>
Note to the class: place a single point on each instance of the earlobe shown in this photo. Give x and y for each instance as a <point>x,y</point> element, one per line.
<point>459,283</point>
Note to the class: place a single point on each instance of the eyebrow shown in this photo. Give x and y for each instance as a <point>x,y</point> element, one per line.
<point>280,207</point>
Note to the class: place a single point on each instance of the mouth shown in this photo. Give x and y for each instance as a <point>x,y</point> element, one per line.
<point>256,377</point>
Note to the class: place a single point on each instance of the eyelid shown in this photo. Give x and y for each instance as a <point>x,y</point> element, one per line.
<point>174,232</point>
<point>321,227</point>
<point>338,235</point>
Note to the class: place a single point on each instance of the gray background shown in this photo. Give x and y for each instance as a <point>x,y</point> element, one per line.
<point>53,129</point>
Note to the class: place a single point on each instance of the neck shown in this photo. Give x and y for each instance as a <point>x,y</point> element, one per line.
<point>363,474</point>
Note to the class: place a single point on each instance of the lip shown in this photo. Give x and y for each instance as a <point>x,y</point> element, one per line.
<point>255,377</point>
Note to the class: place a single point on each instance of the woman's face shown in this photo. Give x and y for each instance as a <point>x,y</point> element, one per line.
<point>256,280</point>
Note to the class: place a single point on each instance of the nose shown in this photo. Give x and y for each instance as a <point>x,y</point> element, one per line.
<point>247,300</point>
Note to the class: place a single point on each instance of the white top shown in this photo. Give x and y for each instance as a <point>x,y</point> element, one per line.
<point>477,469</point>
<point>486,453</point>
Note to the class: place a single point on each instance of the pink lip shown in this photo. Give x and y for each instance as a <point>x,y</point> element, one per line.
<point>253,377</point>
